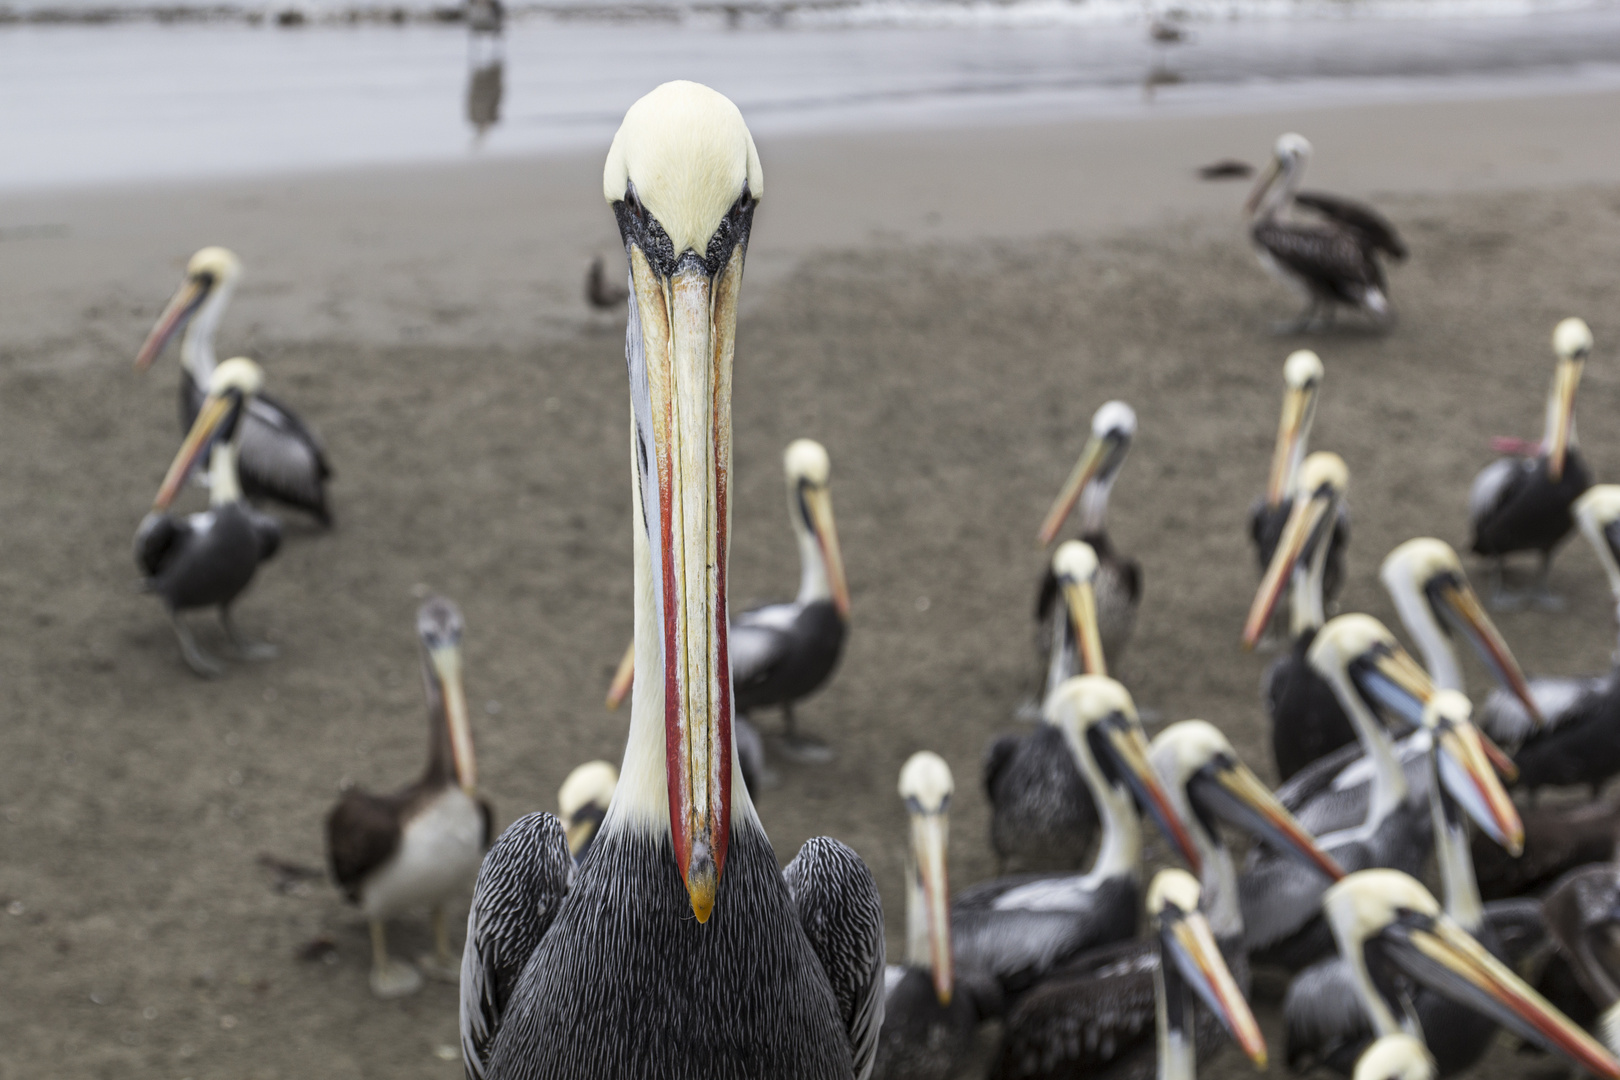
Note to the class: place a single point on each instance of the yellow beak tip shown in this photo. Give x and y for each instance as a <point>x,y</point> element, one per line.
<point>1260,1060</point>
<point>701,887</point>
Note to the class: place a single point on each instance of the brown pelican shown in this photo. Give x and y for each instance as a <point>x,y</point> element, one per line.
<point>1330,261</point>
<point>1307,721</point>
<point>601,292</point>
<point>1302,374</point>
<point>929,1016</point>
<point>582,803</point>
<point>1395,1057</point>
<point>1041,813</point>
<point>1557,838</point>
<point>1119,579</point>
<point>678,947</point>
<point>282,459</point>
<point>1092,1017</point>
<point>1522,503</point>
<point>419,846</point>
<point>208,559</point>
<point>1583,921</point>
<point>1394,937</point>
<point>783,653</point>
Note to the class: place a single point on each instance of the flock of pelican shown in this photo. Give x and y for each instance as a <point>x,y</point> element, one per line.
<point>646,929</point>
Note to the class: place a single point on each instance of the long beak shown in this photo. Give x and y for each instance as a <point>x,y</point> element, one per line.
<point>1190,946</point>
<point>1267,178</point>
<point>688,327</point>
<point>181,307</point>
<point>623,679</point>
<point>1567,379</point>
<point>1296,406</point>
<point>1081,600</point>
<point>1091,459</point>
<point>1303,518</point>
<point>929,838</point>
<point>819,502</point>
<point>1129,747</point>
<point>1395,681</point>
<point>1468,615</point>
<point>212,414</point>
<point>447,668</point>
<point>1442,956</point>
<point>1468,774</point>
<point>1240,798</point>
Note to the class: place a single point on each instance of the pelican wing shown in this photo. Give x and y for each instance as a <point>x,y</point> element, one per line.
<point>520,887</point>
<point>1504,719</point>
<point>159,538</point>
<point>841,913</point>
<point>1324,1020</point>
<point>1082,1024</point>
<point>282,458</point>
<point>1330,258</point>
<point>759,640</point>
<point>267,530</point>
<point>362,833</point>
<point>1372,227</point>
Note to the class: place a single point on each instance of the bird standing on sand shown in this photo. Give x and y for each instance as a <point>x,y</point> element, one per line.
<point>281,458</point>
<point>208,559</point>
<point>679,948</point>
<point>601,293</point>
<point>419,846</point>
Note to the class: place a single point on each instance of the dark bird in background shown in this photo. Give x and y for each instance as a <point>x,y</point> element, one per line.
<point>600,293</point>
<point>1226,169</point>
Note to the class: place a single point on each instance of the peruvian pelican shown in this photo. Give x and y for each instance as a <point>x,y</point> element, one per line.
<point>1109,994</point>
<point>930,1017</point>
<point>679,947</point>
<point>1041,813</point>
<point>1302,376</point>
<point>419,846</point>
<point>282,459</point>
<point>1394,937</point>
<point>208,559</point>
<point>1583,920</point>
<point>582,803</point>
<point>783,653</point>
<point>1395,1057</point>
<point>1330,261</point>
<point>1119,579</point>
<point>1307,721</point>
<point>1522,503</point>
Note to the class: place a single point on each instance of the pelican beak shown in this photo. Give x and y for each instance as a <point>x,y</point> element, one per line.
<point>929,839</point>
<point>1189,947</point>
<point>1230,791</point>
<point>623,679</point>
<point>1091,459</point>
<point>1128,753</point>
<point>1468,774</point>
<point>687,320</point>
<point>1439,954</point>
<point>1263,185</point>
<point>1303,518</point>
<point>216,410</point>
<point>181,307</point>
<point>1565,382</point>
<point>446,663</point>
<point>818,501</point>
<point>1081,600</point>
<point>1296,408</point>
<point>1462,609</point>
<point>1388,677</point>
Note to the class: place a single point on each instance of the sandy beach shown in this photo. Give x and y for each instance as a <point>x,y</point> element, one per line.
<point>942,308</point>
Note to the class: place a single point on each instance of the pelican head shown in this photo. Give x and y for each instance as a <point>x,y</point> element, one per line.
<point>807,469</point>
<point>1433,598</point>
<point>1112,428</point>
<point>1572,342</point>
<point>1302,375</point>
<point>218,422</point>
<point>1466,770</point>
<point>1369,670</point>
<point>683,178</point>
<point>1390,930</point>
<point>210,278</point>
<point>1289,156</point>
<point>1396,1057</point>
<point>925,787</point>
<point>439,627</point>
<point>1322,482</point>
<point>1597,512</point>
<point>1074,565</point>
<point>582,802</point>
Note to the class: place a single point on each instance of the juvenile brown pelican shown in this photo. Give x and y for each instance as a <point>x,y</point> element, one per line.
<point>929,1016</point>
<point>208,559</point>
<point>1041,813</point>
<point>1331,261</point>
<point>678,947</point>
<point>1523,503</point>
<point>582,803</point>
<point>282,459</point>
<point>1307,721</point>
<point>420,846</point>
<point>1119,579</point>
<point>1395,1057</point>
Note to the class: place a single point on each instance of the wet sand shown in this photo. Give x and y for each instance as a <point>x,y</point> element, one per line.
<point>427,322</point>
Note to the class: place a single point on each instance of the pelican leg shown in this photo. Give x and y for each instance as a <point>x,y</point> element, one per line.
<point>196,659</point>
<point>247,650</point>
<point>1502,598</point>
<point>390,978</point>
<point>805,749</point>
<point>1541,595</point>
<point>1300,323</point>
<point>443,965</point>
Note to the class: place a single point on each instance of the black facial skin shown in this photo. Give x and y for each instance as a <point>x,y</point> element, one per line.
<point>639,228</point>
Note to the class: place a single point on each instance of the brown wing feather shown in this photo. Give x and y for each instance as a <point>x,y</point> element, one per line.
<point>362,833</point>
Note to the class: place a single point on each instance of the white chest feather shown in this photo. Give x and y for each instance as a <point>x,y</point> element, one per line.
<point>438,856</point>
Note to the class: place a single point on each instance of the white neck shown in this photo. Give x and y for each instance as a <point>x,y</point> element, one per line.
<point>197,347</point>
<point>1306,611</point>
<point>1460,887</point>
<point>1377,1009</point>
<point>1177,1053</point>
<point>1220,890</point>
<point>1120,852</point>
<point>1432,640</point>
<point>918,954</point>
<point>1062,662</point>
<point>223,484</point>
<point>813,584</point>
<point>1094,505</point>
<point>1388,786</point>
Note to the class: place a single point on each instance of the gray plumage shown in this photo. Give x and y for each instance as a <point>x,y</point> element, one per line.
<point>1016,946</point>
<point>1042,815</point>
<point>205,559</point>
<point>281,458</point>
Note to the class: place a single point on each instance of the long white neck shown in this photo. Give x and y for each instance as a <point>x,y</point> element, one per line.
<point>1384,1020</point>
<point>1177,1053</point>
<point>813,583</point>
<point>918,954</point>
<point>1094,505</point>
<point>1432,640</point>
<point>1120,852</point>
<point>197,347</point>
<point>1220,889</point>
<point>1062,662</point>
<point>1388,786</point>
<point>223,484</point>
<point>1306,610</point>
<point>1451,850</point>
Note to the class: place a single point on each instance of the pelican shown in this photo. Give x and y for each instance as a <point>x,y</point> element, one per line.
<point>1119,579</point>
<point>1041,813</point>
<point>582,803</point>
<point>1523,503</point>
<point>1092,1017</point>
<point>420,846</point>
<point>1583,921</point>
<point>1302,375</point>
<point>1394,936</point>
<point>929,1016</point>
<point>208,559</point>
<point>1307,721</point>
<point>1395,1057</point>
<point>783,653</point>
<point>678,947</point>
<point>1331,261</point>
<point>1557,837</point>
<point>1016,929</point>
<point>282,459</point>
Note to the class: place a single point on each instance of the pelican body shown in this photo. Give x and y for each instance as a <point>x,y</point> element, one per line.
<point>678,948</point>
<point>281,457</point>
<point>1583,920</point>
